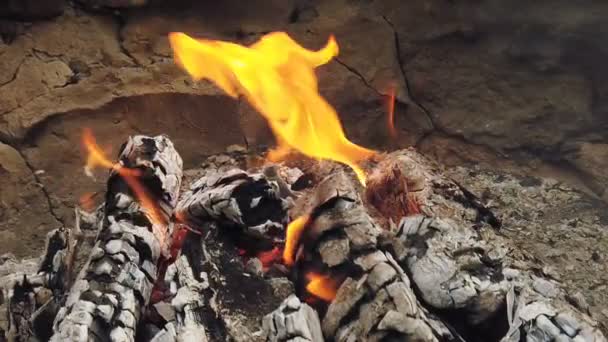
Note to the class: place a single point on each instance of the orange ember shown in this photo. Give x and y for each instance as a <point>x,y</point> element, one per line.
<point>322,286</point>
<point>391,112</point>
<point>269,257</point>
<point>276,75</point>
<point>97,158</point>
<point>294,232</point>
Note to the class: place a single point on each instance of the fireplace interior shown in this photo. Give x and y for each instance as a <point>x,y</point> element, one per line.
<point>303,170</point>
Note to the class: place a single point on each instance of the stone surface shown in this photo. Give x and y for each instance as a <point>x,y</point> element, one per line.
<point>592,161</point>
<point>24,210</point>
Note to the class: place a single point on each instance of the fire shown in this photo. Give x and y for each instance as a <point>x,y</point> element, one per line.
<point>276,75</point>
<point>96,158</point>
<point>322,286</point>
<point>269,257</point>
<point>294,232</point>
<point>87,201</point>
<point>391,111</point>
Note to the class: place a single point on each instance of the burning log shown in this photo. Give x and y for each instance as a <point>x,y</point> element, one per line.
<point>249,208</point>
<point>441,274</point>
<point>107,298</point>
<point>370,297</point>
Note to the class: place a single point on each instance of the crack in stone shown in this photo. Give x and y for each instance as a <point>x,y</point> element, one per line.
<point>121,24</point>
<point>408,87</point>
<point>46,194</point>
<point>358,74</point>
<point>14,76</point>
<point>48,55</point>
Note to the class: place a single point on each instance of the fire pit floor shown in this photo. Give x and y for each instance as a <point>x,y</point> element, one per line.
<point>513,245</point>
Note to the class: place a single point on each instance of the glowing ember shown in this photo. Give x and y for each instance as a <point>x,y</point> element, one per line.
<point>321,286</point>
<point>276,75</point>
<point>96,157</point>
<point>391,112</point>
<point>269,257</point>
<point>294,232</point>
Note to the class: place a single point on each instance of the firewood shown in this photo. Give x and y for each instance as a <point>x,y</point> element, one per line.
<point>249,202</point>
<point>375,299</point>
<point>186,324</point>
<point>32,296</point>
<point>107,298</point>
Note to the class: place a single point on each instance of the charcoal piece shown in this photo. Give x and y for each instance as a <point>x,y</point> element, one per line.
<point>185,324</point>
<point>292,321</point>
<point>334,251</point>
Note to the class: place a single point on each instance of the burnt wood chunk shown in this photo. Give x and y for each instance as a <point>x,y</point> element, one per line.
<point>293,321</point>
<point>184,323</point>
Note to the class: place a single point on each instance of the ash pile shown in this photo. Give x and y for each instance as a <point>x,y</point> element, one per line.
<point>245,250</point>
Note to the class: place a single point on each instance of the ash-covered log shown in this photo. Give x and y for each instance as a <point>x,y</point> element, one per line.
<point>251,203</point>
<point>32,298</point>
<point>108,296</point>
<point>184,321</point>
<point>338,260</point>
<point>293,321</point>
<point>32,290</point>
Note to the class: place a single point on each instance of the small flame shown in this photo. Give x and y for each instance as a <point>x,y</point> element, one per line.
<point>391,111</point>
<point>97,158</point>
<point>87,202</point>
<point>276,75</point>
<point>322,286</point>
<point>294,232</point>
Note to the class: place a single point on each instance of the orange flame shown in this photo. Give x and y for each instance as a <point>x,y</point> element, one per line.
<point>294,232</point>
<point>97,158</point>
<point>391,111</point>
<point>322,286</point>
<point>276,75</point>
<point>87,202</point>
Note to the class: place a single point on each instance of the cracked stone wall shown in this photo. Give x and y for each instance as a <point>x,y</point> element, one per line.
<point>507,84</point>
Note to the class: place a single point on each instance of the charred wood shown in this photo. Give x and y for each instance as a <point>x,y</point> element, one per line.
<point>293,321</point>
<point>32,296</point>
<point>251,203</point>
<point>184,320</point>
<point>107,298</point>
<point>374,300</point>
